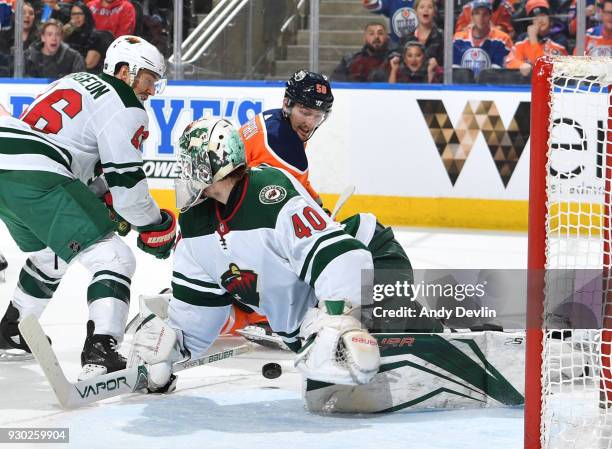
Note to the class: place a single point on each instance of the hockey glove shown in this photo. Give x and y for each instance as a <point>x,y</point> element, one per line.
<point>336,349</point>
<point>158,239</point>
<point>122,226</point>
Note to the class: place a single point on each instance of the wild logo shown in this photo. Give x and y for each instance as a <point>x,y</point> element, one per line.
<point>455,143</point>
<point>272,194</point>
<point>241,285</point>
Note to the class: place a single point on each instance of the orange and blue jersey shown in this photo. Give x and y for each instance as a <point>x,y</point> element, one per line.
<point>478,55</point>
<point>596,44</point>
<point>269,139</point>
<point>500,17</point>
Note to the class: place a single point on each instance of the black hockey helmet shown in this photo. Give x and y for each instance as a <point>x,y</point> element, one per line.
<point>310,89</point>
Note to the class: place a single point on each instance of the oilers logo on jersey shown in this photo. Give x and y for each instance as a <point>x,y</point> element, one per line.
<point>599,50</point>
<point>404,21</point>
<point>476,59</point>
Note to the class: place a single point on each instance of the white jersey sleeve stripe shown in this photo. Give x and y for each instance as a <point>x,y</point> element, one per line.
<point>330,252</point>
<point>202,286</point>
<point>21,134</point>
<point>315,247</point>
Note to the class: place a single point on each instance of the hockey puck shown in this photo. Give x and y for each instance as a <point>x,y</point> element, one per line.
<point>271,370</point>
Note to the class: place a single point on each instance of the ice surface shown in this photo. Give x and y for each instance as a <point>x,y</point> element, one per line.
<point>230,404</point>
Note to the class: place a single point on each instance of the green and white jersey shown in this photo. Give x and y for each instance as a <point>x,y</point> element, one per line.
<point>80,121</point>
<point>271,248</point>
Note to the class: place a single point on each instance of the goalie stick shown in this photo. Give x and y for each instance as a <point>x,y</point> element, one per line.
<point>344,197</point>
<point>77,394</point>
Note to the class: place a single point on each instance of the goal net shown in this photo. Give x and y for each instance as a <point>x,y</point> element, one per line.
<point>568,395</point>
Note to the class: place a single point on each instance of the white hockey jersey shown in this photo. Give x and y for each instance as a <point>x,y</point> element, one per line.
<point>80,121</point>
<point>271,248</point>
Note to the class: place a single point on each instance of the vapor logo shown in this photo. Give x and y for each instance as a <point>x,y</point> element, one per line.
<point>108,385</point>
<point>455,143</point>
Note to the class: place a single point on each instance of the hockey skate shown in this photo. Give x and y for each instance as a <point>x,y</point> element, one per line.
<point>3,266</point>
<point>100,355</point>
<point>262,334</point>
<point>12,345</point>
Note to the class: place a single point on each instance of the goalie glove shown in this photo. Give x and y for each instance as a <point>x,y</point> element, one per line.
<point>158,239</point>
<point>337,350</point>
<point>157,345</point>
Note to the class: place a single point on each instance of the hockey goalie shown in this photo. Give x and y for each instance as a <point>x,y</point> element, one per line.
<point>254,236</point>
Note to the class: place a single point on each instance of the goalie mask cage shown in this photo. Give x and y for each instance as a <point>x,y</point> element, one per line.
<point>568,389</point>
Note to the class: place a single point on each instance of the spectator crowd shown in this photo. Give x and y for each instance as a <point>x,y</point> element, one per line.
<point>61,37</point>
<point>495,41</point>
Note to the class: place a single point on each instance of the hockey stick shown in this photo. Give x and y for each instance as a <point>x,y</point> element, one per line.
<point>344,197</point>
<point>76,394</point>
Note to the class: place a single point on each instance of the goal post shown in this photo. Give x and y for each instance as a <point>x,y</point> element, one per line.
<point>568,380</point>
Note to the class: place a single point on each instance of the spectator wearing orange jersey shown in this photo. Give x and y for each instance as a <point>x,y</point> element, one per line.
<point>537,41</point>
<point>501,16</point>
<point>598,40</point>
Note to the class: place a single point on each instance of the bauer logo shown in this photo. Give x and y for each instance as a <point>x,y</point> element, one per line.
<point>161,169</point>
<point>454,143</point>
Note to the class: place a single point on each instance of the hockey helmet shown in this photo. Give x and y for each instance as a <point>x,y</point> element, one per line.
<point>310,89</point>
<point>209,150</point>
<point>138,54</point>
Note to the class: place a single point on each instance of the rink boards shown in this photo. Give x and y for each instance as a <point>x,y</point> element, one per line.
<point>420,156</point>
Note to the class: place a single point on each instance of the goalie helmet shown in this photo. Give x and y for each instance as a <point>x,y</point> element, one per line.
<point>311,90</point>
<point>137,53</point>
<point>209,150</point>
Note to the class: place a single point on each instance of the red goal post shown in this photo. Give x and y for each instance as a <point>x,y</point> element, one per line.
<point>568,382</point>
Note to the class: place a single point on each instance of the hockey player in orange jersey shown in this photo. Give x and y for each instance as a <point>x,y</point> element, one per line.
<point>278,137</point>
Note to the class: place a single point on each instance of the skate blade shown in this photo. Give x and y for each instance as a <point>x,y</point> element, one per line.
<point>267,341</point>
<point>90,371</point>
<point>14,355</point>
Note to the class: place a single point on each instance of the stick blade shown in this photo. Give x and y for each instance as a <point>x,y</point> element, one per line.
<point>41,349</point>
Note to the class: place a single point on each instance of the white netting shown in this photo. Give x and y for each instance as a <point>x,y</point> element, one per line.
<point>575,411</point>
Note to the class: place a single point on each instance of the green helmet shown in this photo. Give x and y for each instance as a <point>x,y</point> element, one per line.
<point>209,150</point>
